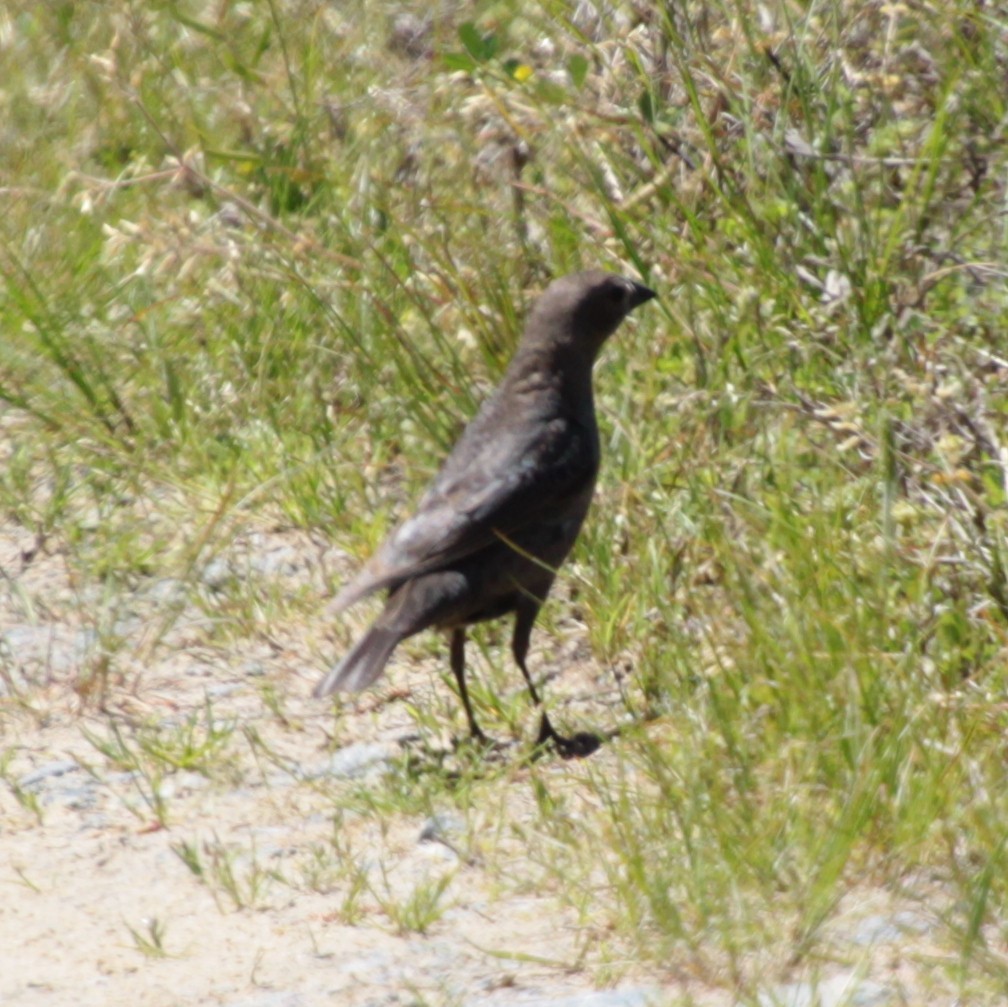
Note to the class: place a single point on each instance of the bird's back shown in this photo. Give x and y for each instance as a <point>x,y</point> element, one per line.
<point>522,459</point>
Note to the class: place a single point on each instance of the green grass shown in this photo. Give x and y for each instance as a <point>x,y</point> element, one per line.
<point>239,245</point>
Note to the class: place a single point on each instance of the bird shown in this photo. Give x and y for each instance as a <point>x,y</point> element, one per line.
<point>489,534</point>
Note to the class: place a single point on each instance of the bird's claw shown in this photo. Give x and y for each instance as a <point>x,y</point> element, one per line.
<point>577,746</point>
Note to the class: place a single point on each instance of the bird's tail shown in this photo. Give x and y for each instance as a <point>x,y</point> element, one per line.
<point>362,665</point>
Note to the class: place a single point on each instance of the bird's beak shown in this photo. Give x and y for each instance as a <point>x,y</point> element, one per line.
<point>641,294</point>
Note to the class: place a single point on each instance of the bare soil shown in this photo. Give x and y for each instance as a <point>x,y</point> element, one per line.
<point>280,868</point>
<point>100,907</point>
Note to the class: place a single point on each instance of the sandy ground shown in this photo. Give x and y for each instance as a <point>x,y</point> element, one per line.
<point>101,907</point>
<point>280,868</point>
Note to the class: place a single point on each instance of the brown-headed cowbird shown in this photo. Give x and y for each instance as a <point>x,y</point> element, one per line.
<point>501,516</point>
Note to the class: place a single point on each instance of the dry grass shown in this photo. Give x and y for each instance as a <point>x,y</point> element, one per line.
<point>261,261</point>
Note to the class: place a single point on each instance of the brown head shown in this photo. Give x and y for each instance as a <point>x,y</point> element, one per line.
<point>581,311</point>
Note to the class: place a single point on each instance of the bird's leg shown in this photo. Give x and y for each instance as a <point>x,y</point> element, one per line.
<point>580,744</point>
<point>458,670</point>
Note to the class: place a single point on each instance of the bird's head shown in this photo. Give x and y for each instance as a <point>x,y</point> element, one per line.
<point>582,310</point>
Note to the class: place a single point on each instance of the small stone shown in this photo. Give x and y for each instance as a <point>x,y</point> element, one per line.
<point>220,690</point>
<point>845,990</point>
<point>282,561</point>
<point>634,997</point>
<point>181,783</point>
<point>887,929</point>
<point>217,574</point>
<point>442,827</point>
<point>876,930</point>
<point>167,590</point>
<point>32,780</point>
<point>273,998</point>
<point>56,648</point>
<point>355,761</point>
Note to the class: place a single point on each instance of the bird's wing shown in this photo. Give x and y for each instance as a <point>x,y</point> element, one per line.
<point>481,496</point>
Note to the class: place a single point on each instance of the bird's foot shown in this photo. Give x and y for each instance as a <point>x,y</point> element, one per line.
<point>577,746</point>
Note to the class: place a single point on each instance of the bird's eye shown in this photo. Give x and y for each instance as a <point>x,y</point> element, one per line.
<point>617,294</point>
